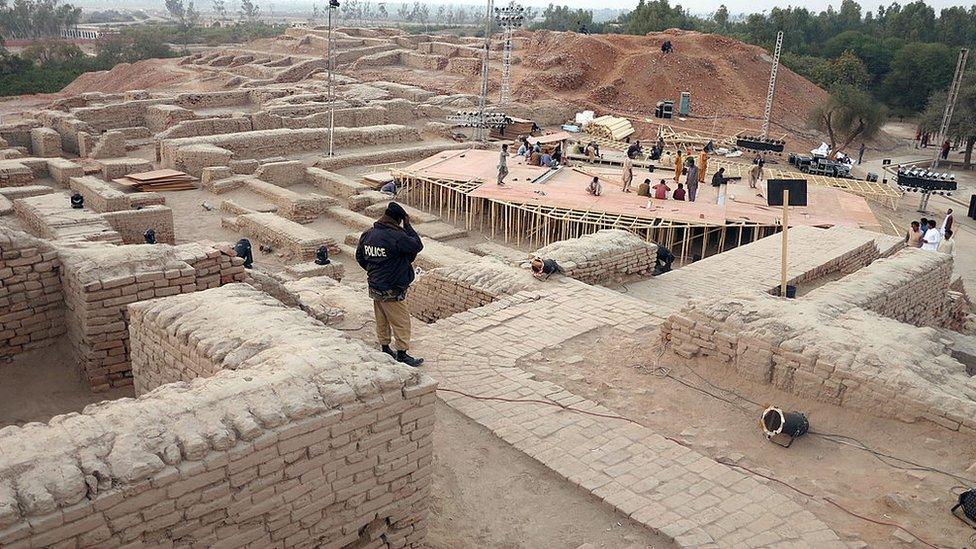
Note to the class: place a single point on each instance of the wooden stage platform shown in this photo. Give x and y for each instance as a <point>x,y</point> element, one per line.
<point>541,205</point>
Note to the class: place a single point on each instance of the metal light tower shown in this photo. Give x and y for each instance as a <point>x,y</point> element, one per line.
<point>508,18</point>
<point>333,5</point>
<point>950,103</point>
<point>481,134</point>
<point>950,107</point>
<point>772,85</point>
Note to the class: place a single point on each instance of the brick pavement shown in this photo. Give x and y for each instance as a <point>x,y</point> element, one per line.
<point>814,254</point>
<point>669,488</point>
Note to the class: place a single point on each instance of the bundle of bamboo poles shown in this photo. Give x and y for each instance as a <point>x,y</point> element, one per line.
<point>610,127</point>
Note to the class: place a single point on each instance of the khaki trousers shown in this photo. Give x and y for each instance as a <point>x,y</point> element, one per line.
<point>392,314</point>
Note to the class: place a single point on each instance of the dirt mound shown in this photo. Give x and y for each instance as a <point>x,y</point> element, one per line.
<point>150,74</point>
<point>629,75</point>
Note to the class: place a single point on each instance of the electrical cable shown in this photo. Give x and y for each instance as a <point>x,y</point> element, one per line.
<point>831,437</point>
<point>686,445</point>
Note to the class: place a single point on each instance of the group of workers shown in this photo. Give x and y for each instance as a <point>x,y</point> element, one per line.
<point>924,234</point>
<point>689,169</point>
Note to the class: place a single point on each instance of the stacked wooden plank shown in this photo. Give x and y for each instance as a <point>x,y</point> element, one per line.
<point>514,127</point>
<point>158,180</point>
<point>610,127</point>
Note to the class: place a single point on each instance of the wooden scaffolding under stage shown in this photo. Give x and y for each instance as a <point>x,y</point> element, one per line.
<point>538,225</point>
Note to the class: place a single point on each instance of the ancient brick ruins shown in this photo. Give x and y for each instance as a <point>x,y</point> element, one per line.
<point>251,407</point>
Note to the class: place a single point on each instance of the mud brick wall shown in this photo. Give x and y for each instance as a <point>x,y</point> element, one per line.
<point>269,143</point>
<point>852,358</point>
<point>99,195</point>
<point>444,291</point>
<point>132,224</point>
<point>50,216</point>
<point>62,170</point>
<point>594,257</point>
<point>124,114</point>
<point>333,270</point>
<point>99,284</point>
<point>162,117</point>
<point>911,286</point>
<point>45,142</point>
<point>324,444</point>
<point>13,173</point>
<point>296,240</point>
<point>31,301</point>
<point>300,208</point>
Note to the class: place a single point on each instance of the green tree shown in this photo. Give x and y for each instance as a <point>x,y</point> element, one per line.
<point>849,114</point>
<point>186,17</point>
<point>220,9</point>
<point>916,71</point>
<point>845,70</point>
<point>656,15</point>
<point>31,19</point>
<point>45,52</point>
<point>249,11</point>
<point>561,18</point>
<point>721,16</point>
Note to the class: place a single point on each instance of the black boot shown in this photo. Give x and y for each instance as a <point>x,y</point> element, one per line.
<point>403,357</point>
<point>386,349</point>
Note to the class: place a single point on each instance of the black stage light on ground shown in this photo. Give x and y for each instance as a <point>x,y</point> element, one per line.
<point>967,500</point>
<point>243,249</point>
<point>77,201</point>
<point>776,422</point>
<point>322,256</point>
<point>150,236</point>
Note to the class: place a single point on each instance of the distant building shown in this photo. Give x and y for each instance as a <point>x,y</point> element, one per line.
<point>87,32</point>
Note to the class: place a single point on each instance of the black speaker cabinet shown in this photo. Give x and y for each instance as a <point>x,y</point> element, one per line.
<point>797,187</point>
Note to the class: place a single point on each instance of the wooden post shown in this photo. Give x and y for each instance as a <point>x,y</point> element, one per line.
<point>786,226</point>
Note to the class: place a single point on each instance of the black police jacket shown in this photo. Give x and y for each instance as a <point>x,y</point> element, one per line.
<point>386,252</point>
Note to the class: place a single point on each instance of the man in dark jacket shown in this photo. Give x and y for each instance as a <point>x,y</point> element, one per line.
<point>386,252</point>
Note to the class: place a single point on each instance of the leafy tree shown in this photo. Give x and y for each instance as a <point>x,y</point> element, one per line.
<point>721,16</point>
<point>916,71</point>
<point>561,18</point>
<point>30,19</point>
<point>220,9</point>
<point>849,114</point>
<point>846,70</point>
<point>656,15</point>
<point>50,51</point>
<point>186,17</point>
<point>131,46</point>
<point>249,10</point>
<point>876,51</point>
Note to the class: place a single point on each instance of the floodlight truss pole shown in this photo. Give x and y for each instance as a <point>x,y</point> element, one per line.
<point>771,91</point>
<point>950,107</point>
<point>331,87</point>
<point>480,133</point>
<point>950,103</point>
<point>508,18</point>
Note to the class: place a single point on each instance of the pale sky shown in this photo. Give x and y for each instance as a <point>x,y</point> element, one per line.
<point>695,6</point>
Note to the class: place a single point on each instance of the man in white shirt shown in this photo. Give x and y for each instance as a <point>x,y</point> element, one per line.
<point>946,223</point>
<point>948,245</point>
<point>932,238</point>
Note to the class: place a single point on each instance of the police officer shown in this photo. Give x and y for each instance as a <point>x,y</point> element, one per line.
<point>386,252</point>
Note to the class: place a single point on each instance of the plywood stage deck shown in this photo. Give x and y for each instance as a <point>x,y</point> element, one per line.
<point>476,171</point>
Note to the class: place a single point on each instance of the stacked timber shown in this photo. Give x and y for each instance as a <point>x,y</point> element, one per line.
<point>610,127</point>
<point>514,127</point>
<point>158,180</point>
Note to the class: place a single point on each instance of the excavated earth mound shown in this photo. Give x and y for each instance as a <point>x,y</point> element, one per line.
<point>629,74</point>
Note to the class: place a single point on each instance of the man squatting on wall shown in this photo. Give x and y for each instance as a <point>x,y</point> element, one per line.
<point>386,252</point>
